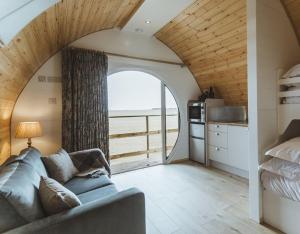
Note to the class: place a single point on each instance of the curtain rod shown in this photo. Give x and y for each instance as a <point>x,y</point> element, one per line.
<point>145,59</point>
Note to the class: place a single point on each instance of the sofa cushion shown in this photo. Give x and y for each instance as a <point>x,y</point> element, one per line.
<point>9,217</point>
<point>31,156</point>
<point>19,187</point>
<point>55,197</point>
<point>60,166</point>
<point>11,159</point>
<point>98,194</point>
<point>80,185</point>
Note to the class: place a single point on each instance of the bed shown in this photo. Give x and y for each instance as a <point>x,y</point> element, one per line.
<point>281,186</point>
<point>280,180</point>
<point>281,202</point>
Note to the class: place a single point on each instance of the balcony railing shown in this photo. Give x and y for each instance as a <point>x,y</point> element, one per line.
<point>146,133</point>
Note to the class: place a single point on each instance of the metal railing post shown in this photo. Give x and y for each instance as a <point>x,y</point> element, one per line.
<point>148,137</point>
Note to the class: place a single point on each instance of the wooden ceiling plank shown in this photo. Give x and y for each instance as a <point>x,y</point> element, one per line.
<point>122,21</point>
<point>84,17</point>
<point>210,17</point>
<point>181,18</point>
<point>206,18</point>
<point>111,18</point>
<point>216,45</point>
<point>75,22</point>
<point>213,42</point>
<point>216,58</point>
<point>218,27</point>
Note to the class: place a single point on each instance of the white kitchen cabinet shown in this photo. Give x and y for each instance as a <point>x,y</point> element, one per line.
<point>218,154</point>
<point>217,127</point>
<point>218,139</point>
<point>238,147</point>
<point>229,145</point>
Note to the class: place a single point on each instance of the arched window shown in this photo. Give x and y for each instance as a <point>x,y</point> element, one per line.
<point>144,120</point>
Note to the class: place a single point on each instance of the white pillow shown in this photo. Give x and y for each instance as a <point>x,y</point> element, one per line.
<point>293,72</point>
<point>283,168</point>
<point>289,150</point>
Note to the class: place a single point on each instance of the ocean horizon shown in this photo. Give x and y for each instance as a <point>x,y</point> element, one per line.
<point>137,123</point>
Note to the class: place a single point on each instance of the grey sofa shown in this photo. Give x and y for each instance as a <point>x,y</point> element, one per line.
<point>104,209</point>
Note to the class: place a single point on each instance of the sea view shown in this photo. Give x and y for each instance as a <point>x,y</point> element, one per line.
<point>134,121</point>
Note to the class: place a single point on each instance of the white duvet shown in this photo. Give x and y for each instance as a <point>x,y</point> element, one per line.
<point>281,186</point>
<point>283,168</point>
<point>282,177</point>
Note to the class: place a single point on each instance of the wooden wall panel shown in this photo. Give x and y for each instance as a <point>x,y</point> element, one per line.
<point>210,36</point>
<point>44,36</point>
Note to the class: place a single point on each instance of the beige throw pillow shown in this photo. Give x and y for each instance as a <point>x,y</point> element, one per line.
<point>56,198</point>
<point>60,166</point>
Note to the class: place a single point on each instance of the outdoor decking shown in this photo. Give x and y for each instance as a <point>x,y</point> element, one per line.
<point>120,165</point>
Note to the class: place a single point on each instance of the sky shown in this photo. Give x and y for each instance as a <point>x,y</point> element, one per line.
<point>132,90</point>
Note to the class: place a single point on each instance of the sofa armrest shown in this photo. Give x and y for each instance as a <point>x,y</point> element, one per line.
<point>91,158</point>
<point>122,213</point>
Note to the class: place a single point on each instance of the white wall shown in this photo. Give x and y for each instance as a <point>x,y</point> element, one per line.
<point>272,45</point>
<point>179,80</point>
<point>33,105</point>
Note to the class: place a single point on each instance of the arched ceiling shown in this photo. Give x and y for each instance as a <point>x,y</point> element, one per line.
<point>16,14</point>
<point>61,24</point>
<point>211,37</point>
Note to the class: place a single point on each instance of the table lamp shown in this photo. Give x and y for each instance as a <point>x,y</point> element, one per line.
<point>28,130</point>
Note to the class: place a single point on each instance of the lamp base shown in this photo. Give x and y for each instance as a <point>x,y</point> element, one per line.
<point>29,142</point>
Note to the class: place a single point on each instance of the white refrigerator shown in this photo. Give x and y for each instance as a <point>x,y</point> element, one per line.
<point>197,142</point>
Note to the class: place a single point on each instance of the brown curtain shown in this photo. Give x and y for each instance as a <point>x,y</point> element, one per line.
<point>84,100</point>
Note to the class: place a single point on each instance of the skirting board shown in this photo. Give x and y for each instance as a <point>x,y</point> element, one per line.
<point>281,213</point>
<point>232,170</point>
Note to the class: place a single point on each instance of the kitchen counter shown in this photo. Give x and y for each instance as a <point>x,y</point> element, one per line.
<point>241,124</point>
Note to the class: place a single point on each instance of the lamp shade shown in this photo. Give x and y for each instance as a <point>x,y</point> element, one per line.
<point>28,130</point>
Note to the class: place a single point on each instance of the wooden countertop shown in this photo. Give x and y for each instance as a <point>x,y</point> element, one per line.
<point>241,124</point>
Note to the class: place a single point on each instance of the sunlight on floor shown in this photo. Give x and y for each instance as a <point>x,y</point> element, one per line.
<point>187,198</point>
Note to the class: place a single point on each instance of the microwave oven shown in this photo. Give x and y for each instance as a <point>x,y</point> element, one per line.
<point>196,112</point>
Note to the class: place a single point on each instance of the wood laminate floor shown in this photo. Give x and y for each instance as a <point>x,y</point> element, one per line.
<point>187,198</point>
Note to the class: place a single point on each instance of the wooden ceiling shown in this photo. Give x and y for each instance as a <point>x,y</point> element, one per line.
<point>211,37</point>
<point>43,37</point>
<point>293,10</point>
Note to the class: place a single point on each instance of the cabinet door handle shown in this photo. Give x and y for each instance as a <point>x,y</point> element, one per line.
<point>218,134</point>
<point>217,149</point>
<point>217,126</point>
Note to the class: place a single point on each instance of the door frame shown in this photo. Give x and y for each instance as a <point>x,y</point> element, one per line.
<point>163,122</point>
<point>163,86</point>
